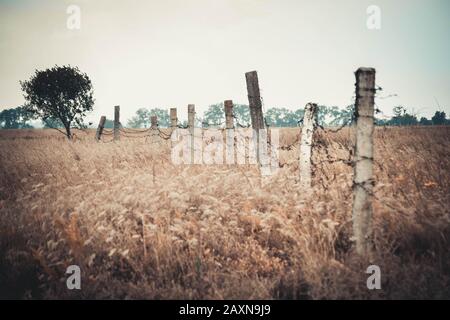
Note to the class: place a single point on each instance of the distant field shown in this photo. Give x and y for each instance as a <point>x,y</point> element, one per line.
<point>141,227</point>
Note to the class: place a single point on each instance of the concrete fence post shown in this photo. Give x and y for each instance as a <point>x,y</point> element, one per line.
<point>255,105</point>
<point>229,132</point>
<point>307,133</point>
<point>173,118</point>
<point>363,181</point>
<point>116,122</point>
<point>191,125</point>
<point>191,116</point>
<point>254,99</point>
<point>153,122</point>
<point>228,105</point>
<point>101,126</point>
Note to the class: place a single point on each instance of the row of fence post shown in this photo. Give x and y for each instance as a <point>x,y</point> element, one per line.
<point>363,181</point>
<point>154,120</point>
<point>363,154</point>
<point>255,105</point>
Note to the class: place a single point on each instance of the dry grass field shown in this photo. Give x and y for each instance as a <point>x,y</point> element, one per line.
<point>141,227</point>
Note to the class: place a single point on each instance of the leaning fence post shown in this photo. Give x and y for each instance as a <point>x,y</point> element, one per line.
<point>254,99</point>
<point>309,124</point>
<point>255,105</point>
<point>154,122</point>
<point>363,169</point>
<point>173,117</point>
<point>116,122</point>
<point>101,126</point>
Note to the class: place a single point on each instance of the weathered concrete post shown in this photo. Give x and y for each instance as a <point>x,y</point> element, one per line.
<point>191,125</point>
<point>191,116</point>
<point>116,122</point>
<point>101,126</point>
<point>255,105</point>
<point>363,170</point>
<point>229,126</point>
<point>228,105</point>
<point>309,125</point>
<point>254,99</point>
<point>173,117</point>
<point>153,122</point>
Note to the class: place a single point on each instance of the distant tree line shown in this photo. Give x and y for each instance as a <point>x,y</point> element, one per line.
<point>15,118</point>
<point>282,117</point>
<point>19,118</point>
<point>403,118</point>
<point>61,97</point>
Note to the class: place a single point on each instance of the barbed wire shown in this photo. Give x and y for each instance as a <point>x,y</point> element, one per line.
<point>263,107</point>
<point>239,124</point>
<point>134,131</point>
<point>164,135</point>
<point>347,123</point>
<point>137,130</point>
<point>204,122</point>
<point>103,140</point>
<point>152,132</point>
<point>290,146</point>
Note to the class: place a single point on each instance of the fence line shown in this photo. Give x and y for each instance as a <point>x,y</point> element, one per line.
<point>362,162</point>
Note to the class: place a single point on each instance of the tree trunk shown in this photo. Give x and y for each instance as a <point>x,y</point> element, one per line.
<point>68,133</point>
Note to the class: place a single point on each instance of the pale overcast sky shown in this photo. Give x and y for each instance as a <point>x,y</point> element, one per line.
<point>169,53</point>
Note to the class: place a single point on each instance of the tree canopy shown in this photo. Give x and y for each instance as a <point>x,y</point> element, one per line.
<point>142,119</point>
<point>15,118</point>
<point>59,93</point>
<point>439,118</point>
<point>215,115</point>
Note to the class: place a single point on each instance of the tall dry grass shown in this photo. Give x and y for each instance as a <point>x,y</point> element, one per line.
<point>140,227</point>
